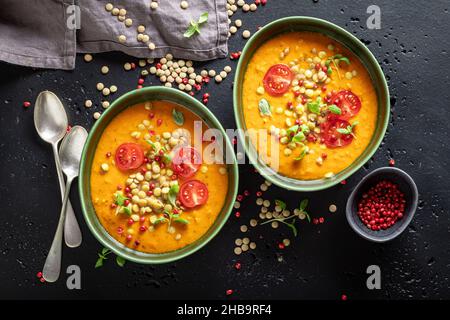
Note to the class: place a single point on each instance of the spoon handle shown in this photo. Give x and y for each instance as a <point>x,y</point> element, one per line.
<point>52,266</point>
<point>72,232</point>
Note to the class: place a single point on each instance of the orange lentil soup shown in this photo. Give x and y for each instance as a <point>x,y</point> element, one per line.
<point>315,99</point>
<point>148,188</point>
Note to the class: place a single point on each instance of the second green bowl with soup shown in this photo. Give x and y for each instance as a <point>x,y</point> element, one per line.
<point>312,101</point>
<point>150,189</point>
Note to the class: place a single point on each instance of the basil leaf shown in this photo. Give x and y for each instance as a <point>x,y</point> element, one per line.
<point>99,262</point>
<point>345,59</point>
<point>314,107</point>
<point>292,130</point>
<point>304,204</point>
<point>343,131</point>
<point>120,261</point>
<point>120,199</point>
<point>304,128</point>
<point>335,109</point>
<point>203,18</point>
<point>299,137</point>
<point>127,209</point>
<point>181,220</point>
<point>348,130</point>
<point>293,228</point>
<point>105,251</point>
<point>194,27</point>
<point>178,117</point>
<point>191,30</point>
<point>173,193</point>
<point>307,216</point>
<point>264,107</point>
<point>160,220</point>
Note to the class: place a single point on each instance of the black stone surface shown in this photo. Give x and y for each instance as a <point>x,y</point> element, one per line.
<point>325,261</point>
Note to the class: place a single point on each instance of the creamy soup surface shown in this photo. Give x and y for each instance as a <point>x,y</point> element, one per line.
<point>315,99</point>
<point>149,188</point>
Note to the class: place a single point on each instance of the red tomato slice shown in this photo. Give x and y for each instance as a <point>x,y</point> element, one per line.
<point>193,193</point>
<point>129,156</point>
<point>348,102</point>
<point>278,79</point>
<point>186,162</point>
<point>333,138</point>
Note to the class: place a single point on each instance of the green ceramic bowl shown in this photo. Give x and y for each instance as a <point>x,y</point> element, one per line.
<point>129,99</point>
<point>331,30</point>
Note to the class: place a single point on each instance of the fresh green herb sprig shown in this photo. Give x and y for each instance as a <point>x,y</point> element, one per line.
<point>283,220</point>
<point>302,208</point>
<point>194,27</point>
<point>291,217</point>
<point>332,60</point>
<point>316,106</point>
<point>264,107</point>
<point>169,218</point>
<point>173,193</point>
<point>334,109</point>
<point>178,117</point>
<point>348,130</point>
<point>103,255</point>
<point>297,133</point>
<point>120,202</point>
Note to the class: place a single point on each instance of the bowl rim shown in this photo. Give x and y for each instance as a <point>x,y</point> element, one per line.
<point>266,171</point>
<point>227,207</point>
<point>404,223</point>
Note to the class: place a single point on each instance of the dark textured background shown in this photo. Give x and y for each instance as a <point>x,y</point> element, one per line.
<point>324,261</point>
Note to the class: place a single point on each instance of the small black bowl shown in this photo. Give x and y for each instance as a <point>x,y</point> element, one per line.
<point>406,185</point>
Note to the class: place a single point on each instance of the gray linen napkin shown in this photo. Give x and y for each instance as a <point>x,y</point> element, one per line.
<point>42,33</point>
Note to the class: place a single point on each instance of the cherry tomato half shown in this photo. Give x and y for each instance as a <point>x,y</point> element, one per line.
<point>278,79</point>
<point>348,102</point>
<point>129,156</point>
<point>332,138</point>
<point>193,193</point>
<point>186,162</point>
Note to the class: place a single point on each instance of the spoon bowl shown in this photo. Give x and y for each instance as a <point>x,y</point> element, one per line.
<point>71,150</point>
<point>50,118</point>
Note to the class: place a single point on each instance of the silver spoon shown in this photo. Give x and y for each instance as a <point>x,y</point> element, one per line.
<point>70,156</point>
<point>50,120</point>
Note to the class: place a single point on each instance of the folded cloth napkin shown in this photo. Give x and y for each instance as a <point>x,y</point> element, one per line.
<point>48,34</point>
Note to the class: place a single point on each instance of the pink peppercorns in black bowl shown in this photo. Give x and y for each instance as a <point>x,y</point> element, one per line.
<point>382,205</point>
